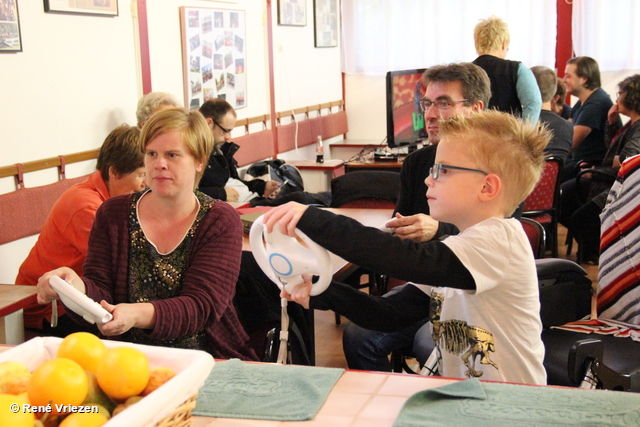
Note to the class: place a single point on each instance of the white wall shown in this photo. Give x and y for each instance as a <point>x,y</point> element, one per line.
<point>76,79</point>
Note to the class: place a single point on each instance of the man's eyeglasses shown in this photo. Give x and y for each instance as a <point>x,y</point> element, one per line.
<point>435,170</point>
<point>223,129</point>
<point>441,104</point>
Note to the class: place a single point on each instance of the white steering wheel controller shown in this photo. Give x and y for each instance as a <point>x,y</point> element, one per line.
<point>284,259</point>
<point>79,303</point>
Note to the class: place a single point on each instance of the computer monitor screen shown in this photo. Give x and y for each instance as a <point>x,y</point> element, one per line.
<point>405,121</point>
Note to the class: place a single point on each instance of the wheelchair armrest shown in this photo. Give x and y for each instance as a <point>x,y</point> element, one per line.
<point>586,367</point>
<point>565,291</point>
<point>549,267</point>
<point>597,175</point>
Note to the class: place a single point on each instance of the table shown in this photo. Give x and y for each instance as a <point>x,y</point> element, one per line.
<point>359,398</point>
<point>349,148</point>
<point>13,298</point>
<point>317,176</point>
<point>376,166</point>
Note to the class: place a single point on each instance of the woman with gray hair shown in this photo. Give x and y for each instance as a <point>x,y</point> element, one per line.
<point>152,102</point>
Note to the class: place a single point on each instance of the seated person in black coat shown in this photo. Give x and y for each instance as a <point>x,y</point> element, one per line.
<point>221,179</point>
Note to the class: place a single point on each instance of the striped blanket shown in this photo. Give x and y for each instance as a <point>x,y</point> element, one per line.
<point>619,274</point>
<point>604,327</point>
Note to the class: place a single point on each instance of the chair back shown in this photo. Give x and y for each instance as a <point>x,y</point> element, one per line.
<point>365,189</point>
<point>542,204</point>
<point>619,274</point>
<point>537,236</point>
<point>544,196</point>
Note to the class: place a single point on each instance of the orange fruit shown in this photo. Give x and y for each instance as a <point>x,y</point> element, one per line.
<point>123,372</point>
<point>158,377</point>
<point>14,378</point>
<point>85,419</point>
<point>58,381</point>
<point>14,419</point>
<point>83,347</point>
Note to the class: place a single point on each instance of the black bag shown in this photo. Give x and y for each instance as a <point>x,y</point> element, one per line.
<point>279,171</point>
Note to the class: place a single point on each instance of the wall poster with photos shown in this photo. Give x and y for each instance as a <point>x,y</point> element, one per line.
<point>10,39</point>
<point>325,20</point>
<point>214,56</point>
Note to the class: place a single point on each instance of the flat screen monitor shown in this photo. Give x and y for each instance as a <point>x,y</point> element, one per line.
<point>405,121</point>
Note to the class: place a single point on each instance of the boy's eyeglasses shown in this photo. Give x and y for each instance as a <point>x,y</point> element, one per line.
<point>441,104</point>
<point>223,129</point>
<point>434,171</point>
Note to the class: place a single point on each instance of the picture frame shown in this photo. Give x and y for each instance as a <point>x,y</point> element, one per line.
<point>82,7</point>
<point>292,13</point>
<point>325,21</point>
<point>214,55</point>
<point>10,36</point>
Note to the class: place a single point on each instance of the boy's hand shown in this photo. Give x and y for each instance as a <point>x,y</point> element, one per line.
<point>287,216</point>
<point>301,294</point>
<point>419,227</point>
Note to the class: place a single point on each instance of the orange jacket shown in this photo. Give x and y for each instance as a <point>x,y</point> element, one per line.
<point>62,241</point>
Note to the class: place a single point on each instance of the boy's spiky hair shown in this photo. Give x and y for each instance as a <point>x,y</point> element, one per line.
<point>503,145</point>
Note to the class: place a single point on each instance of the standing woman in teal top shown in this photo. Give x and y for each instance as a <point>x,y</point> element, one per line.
<point>513,86</point>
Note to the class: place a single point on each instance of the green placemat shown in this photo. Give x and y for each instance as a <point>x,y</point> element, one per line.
<point>473,403</point>
<point>236,389</point>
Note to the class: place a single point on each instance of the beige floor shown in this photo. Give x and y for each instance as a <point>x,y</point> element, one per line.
<point>329,336</point>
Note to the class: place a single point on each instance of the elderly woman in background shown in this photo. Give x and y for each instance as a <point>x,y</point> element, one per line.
<point>583,219</point>
<point>165,261</point>
<point>152,102</point>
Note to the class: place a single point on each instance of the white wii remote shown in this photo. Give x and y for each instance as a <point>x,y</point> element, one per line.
<point>79,303</point>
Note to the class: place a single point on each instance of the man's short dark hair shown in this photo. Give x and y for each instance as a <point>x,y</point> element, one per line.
<point>630,87</point>
<point>547,81</point>
<point>587,68</point>
<point>216,109</point>
<point>120,149</point>
<point>475,81</point>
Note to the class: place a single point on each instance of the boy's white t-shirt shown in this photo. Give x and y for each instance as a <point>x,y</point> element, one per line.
<point>497,327</point>
<point>244,194</point>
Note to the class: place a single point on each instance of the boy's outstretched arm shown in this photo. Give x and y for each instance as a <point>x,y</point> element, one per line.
<point>287,216</point>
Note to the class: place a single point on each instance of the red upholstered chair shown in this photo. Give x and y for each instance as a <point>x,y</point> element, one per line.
<point>537,236</point>
<point>542,203</point>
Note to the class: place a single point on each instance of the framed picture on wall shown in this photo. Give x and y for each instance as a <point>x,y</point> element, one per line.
<point>10,39</point>
<point>325,20</point>
<point>292,12</point>
<point>214,56</point>
<point>82,7</point>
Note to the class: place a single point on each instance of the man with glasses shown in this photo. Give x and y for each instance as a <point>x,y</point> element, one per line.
<point>453,89</point>
<point>221,179</point>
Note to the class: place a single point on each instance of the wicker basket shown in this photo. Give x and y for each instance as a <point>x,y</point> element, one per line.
<point>191,367</point>
<point>181,416</point>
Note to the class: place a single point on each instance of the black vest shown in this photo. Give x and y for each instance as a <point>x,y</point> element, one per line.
<point>503,75</point>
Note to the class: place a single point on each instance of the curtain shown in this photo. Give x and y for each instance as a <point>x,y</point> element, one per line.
<point>607,31</point>
<point>387,35</point>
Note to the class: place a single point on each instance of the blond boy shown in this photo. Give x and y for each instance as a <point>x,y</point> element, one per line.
<point>479,288</point>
